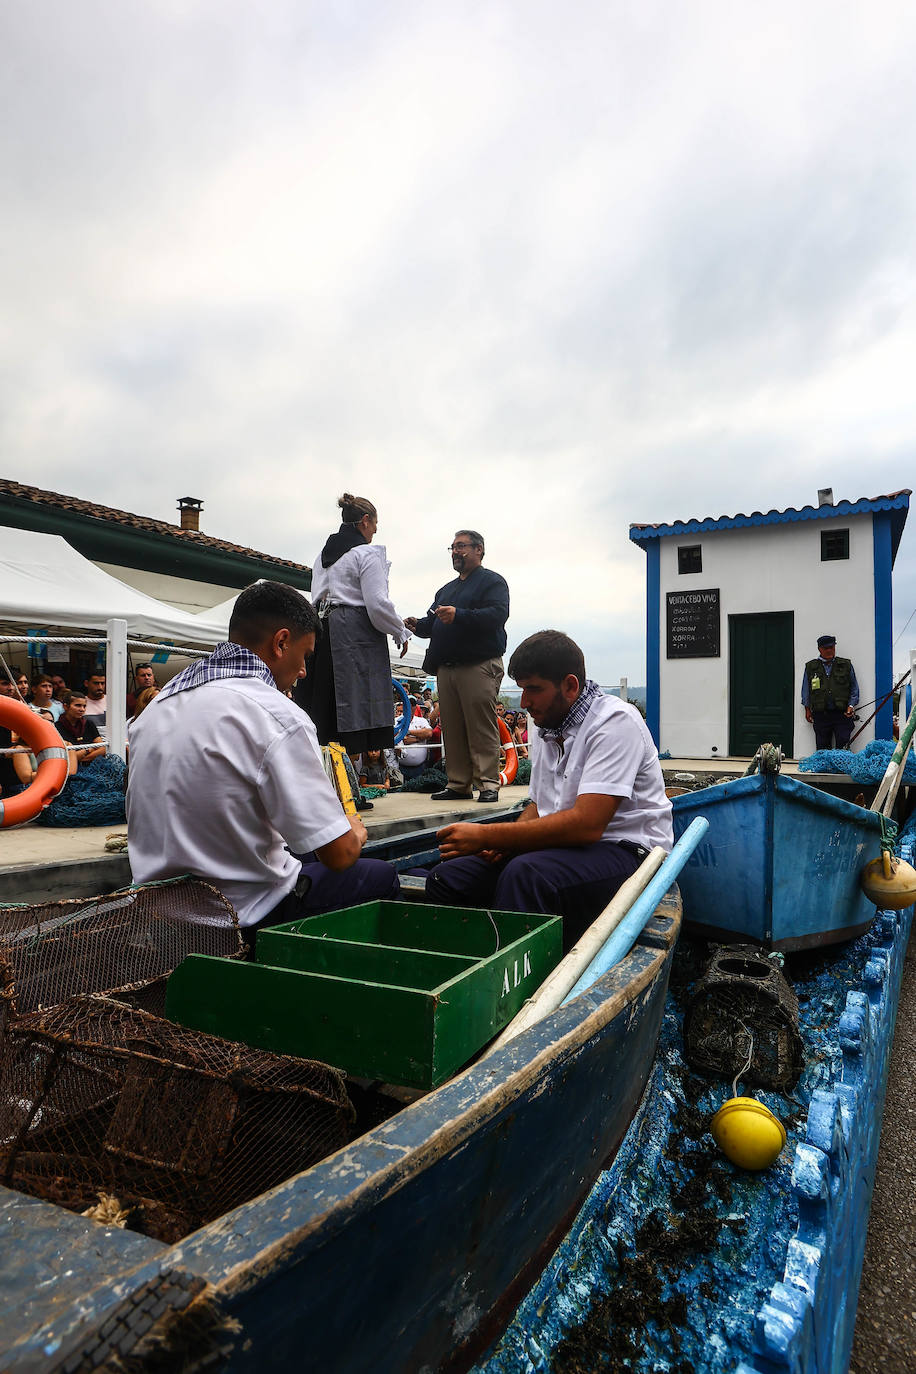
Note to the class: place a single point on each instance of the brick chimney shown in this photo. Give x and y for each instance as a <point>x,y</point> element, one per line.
<point>190,509</point>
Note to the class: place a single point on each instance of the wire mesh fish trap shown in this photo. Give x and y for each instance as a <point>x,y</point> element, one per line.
<point>126,941</point>
<point>742,1019</point>
<point>97,1097</point>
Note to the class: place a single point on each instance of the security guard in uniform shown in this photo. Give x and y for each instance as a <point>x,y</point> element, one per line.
<point>830,695</point>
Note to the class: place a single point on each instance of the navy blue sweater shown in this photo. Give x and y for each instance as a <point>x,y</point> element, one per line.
<point>478,631</point>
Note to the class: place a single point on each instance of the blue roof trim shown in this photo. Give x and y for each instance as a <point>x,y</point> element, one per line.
<point>898,504</point>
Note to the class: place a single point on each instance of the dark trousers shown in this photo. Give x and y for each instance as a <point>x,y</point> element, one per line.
<point>829,724</point>
<point>576,882</point>
<point>319,890</point>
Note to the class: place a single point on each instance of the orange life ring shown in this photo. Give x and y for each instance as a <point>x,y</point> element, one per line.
<point>50,751</point>
<point>507,776</point>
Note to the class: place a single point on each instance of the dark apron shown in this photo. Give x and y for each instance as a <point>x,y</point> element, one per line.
<point>362,670</point>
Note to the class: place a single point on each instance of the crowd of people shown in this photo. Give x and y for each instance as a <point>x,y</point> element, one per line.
<point>78,713</point>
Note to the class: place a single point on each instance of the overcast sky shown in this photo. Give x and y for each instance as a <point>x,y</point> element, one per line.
<point>540,269</point>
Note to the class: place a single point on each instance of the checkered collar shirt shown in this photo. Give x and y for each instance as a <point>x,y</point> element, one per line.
<point>227,660</point>
<point>575,715</point>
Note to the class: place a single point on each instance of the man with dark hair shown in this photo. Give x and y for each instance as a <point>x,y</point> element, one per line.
<point>466,629</point>
<point>830,695</point>
<point>235,769</point>
<point>144,677</point>
<point>597,801</point>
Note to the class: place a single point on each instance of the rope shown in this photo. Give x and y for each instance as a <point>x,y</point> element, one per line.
<point>896,688</point>
<point>87,639</point>
<point>747,1065</point>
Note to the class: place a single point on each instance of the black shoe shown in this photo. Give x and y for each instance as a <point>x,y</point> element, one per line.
<point>448,795</point>
<point>490,796</point>
<point>365,806</point>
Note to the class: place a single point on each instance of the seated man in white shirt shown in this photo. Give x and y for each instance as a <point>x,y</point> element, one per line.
<point>412,751</point>
<point>227,783</point>
<point>597,801</point>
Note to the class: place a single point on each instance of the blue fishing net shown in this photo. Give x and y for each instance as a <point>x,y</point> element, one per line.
<point>868,766</point>
<point>93,796</point>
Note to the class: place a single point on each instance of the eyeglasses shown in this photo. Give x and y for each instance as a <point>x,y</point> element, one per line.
<point>456,548</point>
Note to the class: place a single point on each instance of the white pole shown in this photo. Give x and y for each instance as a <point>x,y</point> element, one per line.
<point>623,690</point>
<point>116,687</point>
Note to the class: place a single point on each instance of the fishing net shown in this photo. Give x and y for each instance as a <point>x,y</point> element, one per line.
<point>93,796</point>
<point>125,942</point>
<point>868,766</point>
<point>742,1020</point>
<point>108,1110</point>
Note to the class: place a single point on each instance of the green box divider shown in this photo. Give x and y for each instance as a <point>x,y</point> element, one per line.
<point>388,964</point>
<point>477,933</point>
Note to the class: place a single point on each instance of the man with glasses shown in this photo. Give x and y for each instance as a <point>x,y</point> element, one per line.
<point>466,629</point>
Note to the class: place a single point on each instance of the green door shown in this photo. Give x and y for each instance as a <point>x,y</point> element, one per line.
<point>761,677</point>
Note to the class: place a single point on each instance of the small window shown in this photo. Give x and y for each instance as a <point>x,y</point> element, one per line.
<point>834,545</point>
<point>690,558</point>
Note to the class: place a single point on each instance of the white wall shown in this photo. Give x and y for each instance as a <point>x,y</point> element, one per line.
<point>758,569</point>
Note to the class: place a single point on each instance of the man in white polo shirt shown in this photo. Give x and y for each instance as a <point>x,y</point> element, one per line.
<point>597,801</point>
<point>226,779</point>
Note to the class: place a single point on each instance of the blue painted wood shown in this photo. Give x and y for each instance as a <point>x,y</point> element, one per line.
<point>780,864</point>
<point>775,1290</point>
<point>405,1249</point>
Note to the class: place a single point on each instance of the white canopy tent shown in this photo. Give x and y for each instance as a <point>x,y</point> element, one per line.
<point>44,582</point>
<point>46,585</point>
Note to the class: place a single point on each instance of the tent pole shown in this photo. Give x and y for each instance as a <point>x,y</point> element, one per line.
<point>116,687</point>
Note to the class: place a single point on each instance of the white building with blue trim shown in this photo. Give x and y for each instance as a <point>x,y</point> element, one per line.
<point>734,609</point>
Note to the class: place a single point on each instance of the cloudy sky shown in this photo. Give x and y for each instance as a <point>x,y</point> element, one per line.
<point>540,269</point>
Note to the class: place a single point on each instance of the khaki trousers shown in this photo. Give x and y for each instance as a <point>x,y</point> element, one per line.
<point>467,706</point>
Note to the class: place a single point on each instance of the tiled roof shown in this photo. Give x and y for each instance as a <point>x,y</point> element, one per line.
<point>896,501</point>
<point>92,510</point>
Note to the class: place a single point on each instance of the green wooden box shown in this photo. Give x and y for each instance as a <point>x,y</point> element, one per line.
<point>390,990</point>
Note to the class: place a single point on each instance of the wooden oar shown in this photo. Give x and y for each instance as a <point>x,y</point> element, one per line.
<point>886,794</point>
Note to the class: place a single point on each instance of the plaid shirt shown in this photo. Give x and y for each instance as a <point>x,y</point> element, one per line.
<point>227,660</point>
<point>575,715</point>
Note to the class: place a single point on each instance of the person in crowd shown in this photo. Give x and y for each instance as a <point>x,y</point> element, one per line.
<point>348,689</point>
<point>414,748</point>
<point>466,629</point>
<point>520,734</point>
<point>97,702</point>
<point>144,678</point>
<point>830,695</point>
<point>23,688</point>
<point>258,794</point>
<point>61,685</point>
<point>43,698</point>
<point>76,727</point>
<point>15,769</point>
<point>144,698</point>
<point>373,770</point>
<point>597,801</point>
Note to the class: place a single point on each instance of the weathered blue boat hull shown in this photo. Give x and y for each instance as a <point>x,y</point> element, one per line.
<point>779,865</point>
<point>757,1273</point>
<point>407,1250</point>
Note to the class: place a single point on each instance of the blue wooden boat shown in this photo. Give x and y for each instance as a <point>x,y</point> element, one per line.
<point>779,865</point>
<point>406,1250</point>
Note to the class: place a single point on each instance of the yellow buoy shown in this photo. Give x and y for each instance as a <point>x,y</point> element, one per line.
<point>748,1133</point>
<point>888,882</point>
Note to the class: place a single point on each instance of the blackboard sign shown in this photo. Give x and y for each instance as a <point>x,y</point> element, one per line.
<point>693,624</point>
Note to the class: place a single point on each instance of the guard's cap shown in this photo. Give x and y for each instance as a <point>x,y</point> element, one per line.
<point>825,641</point>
